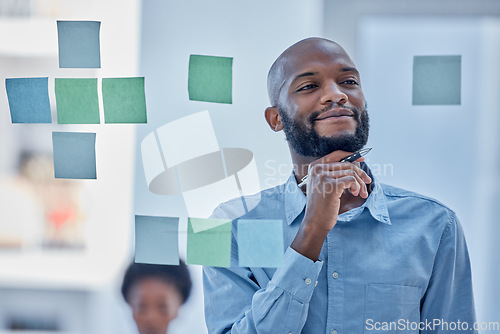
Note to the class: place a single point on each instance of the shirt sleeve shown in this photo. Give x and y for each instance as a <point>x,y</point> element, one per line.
<point>235,303</point>
<point>448,302</point>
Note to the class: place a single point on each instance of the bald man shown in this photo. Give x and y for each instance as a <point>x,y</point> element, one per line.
<point>360,257</point>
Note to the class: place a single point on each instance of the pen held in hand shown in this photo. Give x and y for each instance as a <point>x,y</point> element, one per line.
<point>350,158</point>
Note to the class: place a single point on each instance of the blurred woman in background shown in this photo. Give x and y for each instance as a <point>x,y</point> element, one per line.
<point>155,294</point>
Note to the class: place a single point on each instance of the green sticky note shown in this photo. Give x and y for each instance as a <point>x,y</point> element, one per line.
<point>210,79</point>
<point>209,247</point>
<point>260,243</point>
<point>124,100</point>
<point>74,155</point>
<point>76,101</point>
<point>437,80</point>
<point>202,224</point>
<point>156,240</point>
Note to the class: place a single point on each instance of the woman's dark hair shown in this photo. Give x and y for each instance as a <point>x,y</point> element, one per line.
<point>178,276</point>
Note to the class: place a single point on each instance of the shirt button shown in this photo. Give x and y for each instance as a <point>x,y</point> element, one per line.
<point>334,331</point>
<point>335,275</point>
<point>308,281</point>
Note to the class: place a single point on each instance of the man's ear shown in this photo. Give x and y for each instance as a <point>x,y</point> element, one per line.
<point>273,118</point>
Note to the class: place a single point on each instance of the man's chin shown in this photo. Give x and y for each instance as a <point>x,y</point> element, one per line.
<point>336,135</point>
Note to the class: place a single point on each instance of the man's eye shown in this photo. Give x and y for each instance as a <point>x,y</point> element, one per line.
<point>351,82</point>
<point>307,87</point>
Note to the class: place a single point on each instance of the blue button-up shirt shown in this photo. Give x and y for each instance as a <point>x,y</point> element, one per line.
<point>396,264</point>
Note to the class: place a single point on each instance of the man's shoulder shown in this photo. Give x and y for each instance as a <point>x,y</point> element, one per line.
<point>393,193</point>
<point>234,209</point>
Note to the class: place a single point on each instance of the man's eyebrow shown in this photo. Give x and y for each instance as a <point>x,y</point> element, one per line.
<point>349,69</point>
<point>305,74</point>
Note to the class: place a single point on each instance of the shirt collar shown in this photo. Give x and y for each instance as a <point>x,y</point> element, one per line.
<point>295,202</point>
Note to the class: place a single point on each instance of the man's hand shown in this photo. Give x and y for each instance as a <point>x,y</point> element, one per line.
<point>327,180</point>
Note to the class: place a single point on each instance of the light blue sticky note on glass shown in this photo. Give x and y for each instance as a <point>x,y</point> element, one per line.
<point>260,243</point>
<point>74,155</point>
<point>156,240</point>
<point>28,100</point>
<point>437,80</point>
<point>79,45</point>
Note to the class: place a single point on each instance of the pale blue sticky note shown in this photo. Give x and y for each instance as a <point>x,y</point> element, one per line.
<point>436,80</point>
<point>260,243</point>
<point>28,100</point>
<point>79,45</point>
<point>74,155</point>
<point>156,240</point>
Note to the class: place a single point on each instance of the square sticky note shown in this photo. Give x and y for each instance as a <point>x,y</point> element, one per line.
<point>124,100</point>
<point>156,240</point>
<point>437,80</point>
<point>260,243</point>
<point>74,155</point>
<point>28,100</point>
<point>210,78</point>
<point>77,101</point>
<point>203,224</point>
<point>209,247</point>
<point>79,45</point>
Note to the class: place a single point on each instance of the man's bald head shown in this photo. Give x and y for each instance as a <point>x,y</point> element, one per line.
<point>282,65</point>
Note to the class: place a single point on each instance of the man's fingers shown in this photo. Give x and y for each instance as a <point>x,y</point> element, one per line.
<point>357,184</point>
<point>346,182</point>
<point>337,181</point>
<point>339,166</point>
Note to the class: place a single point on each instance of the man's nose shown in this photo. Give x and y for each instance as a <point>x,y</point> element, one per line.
<point>332,93</point>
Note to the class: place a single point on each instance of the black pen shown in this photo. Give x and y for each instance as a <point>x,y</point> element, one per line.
<point>350,158</point>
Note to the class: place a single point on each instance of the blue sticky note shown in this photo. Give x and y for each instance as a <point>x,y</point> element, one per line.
<point>29,100</point>
<point>74,155</point>
<point>436,80</point>
<point>156,240</point>
<point>79,45</point>
<point>260,243</point>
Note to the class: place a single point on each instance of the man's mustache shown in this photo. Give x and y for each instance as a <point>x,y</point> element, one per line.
<point>315,114</point>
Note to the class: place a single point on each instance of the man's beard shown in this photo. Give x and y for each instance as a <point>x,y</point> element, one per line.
<point>306,141</point>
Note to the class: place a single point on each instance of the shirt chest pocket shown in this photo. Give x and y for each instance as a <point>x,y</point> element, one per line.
<point>391,309</point>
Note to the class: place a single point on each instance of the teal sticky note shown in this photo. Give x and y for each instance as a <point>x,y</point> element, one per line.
<point>79,45</point>
<point>156,240</point>
<point>437,80</point>
<point>260,243</point>
<point>208,247</point>
<point>210,79</point>
<point>77,101</point>
<point>202,224</point>
<point>28,100</point>
<point>124,100</point>
<point>74,155</point>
